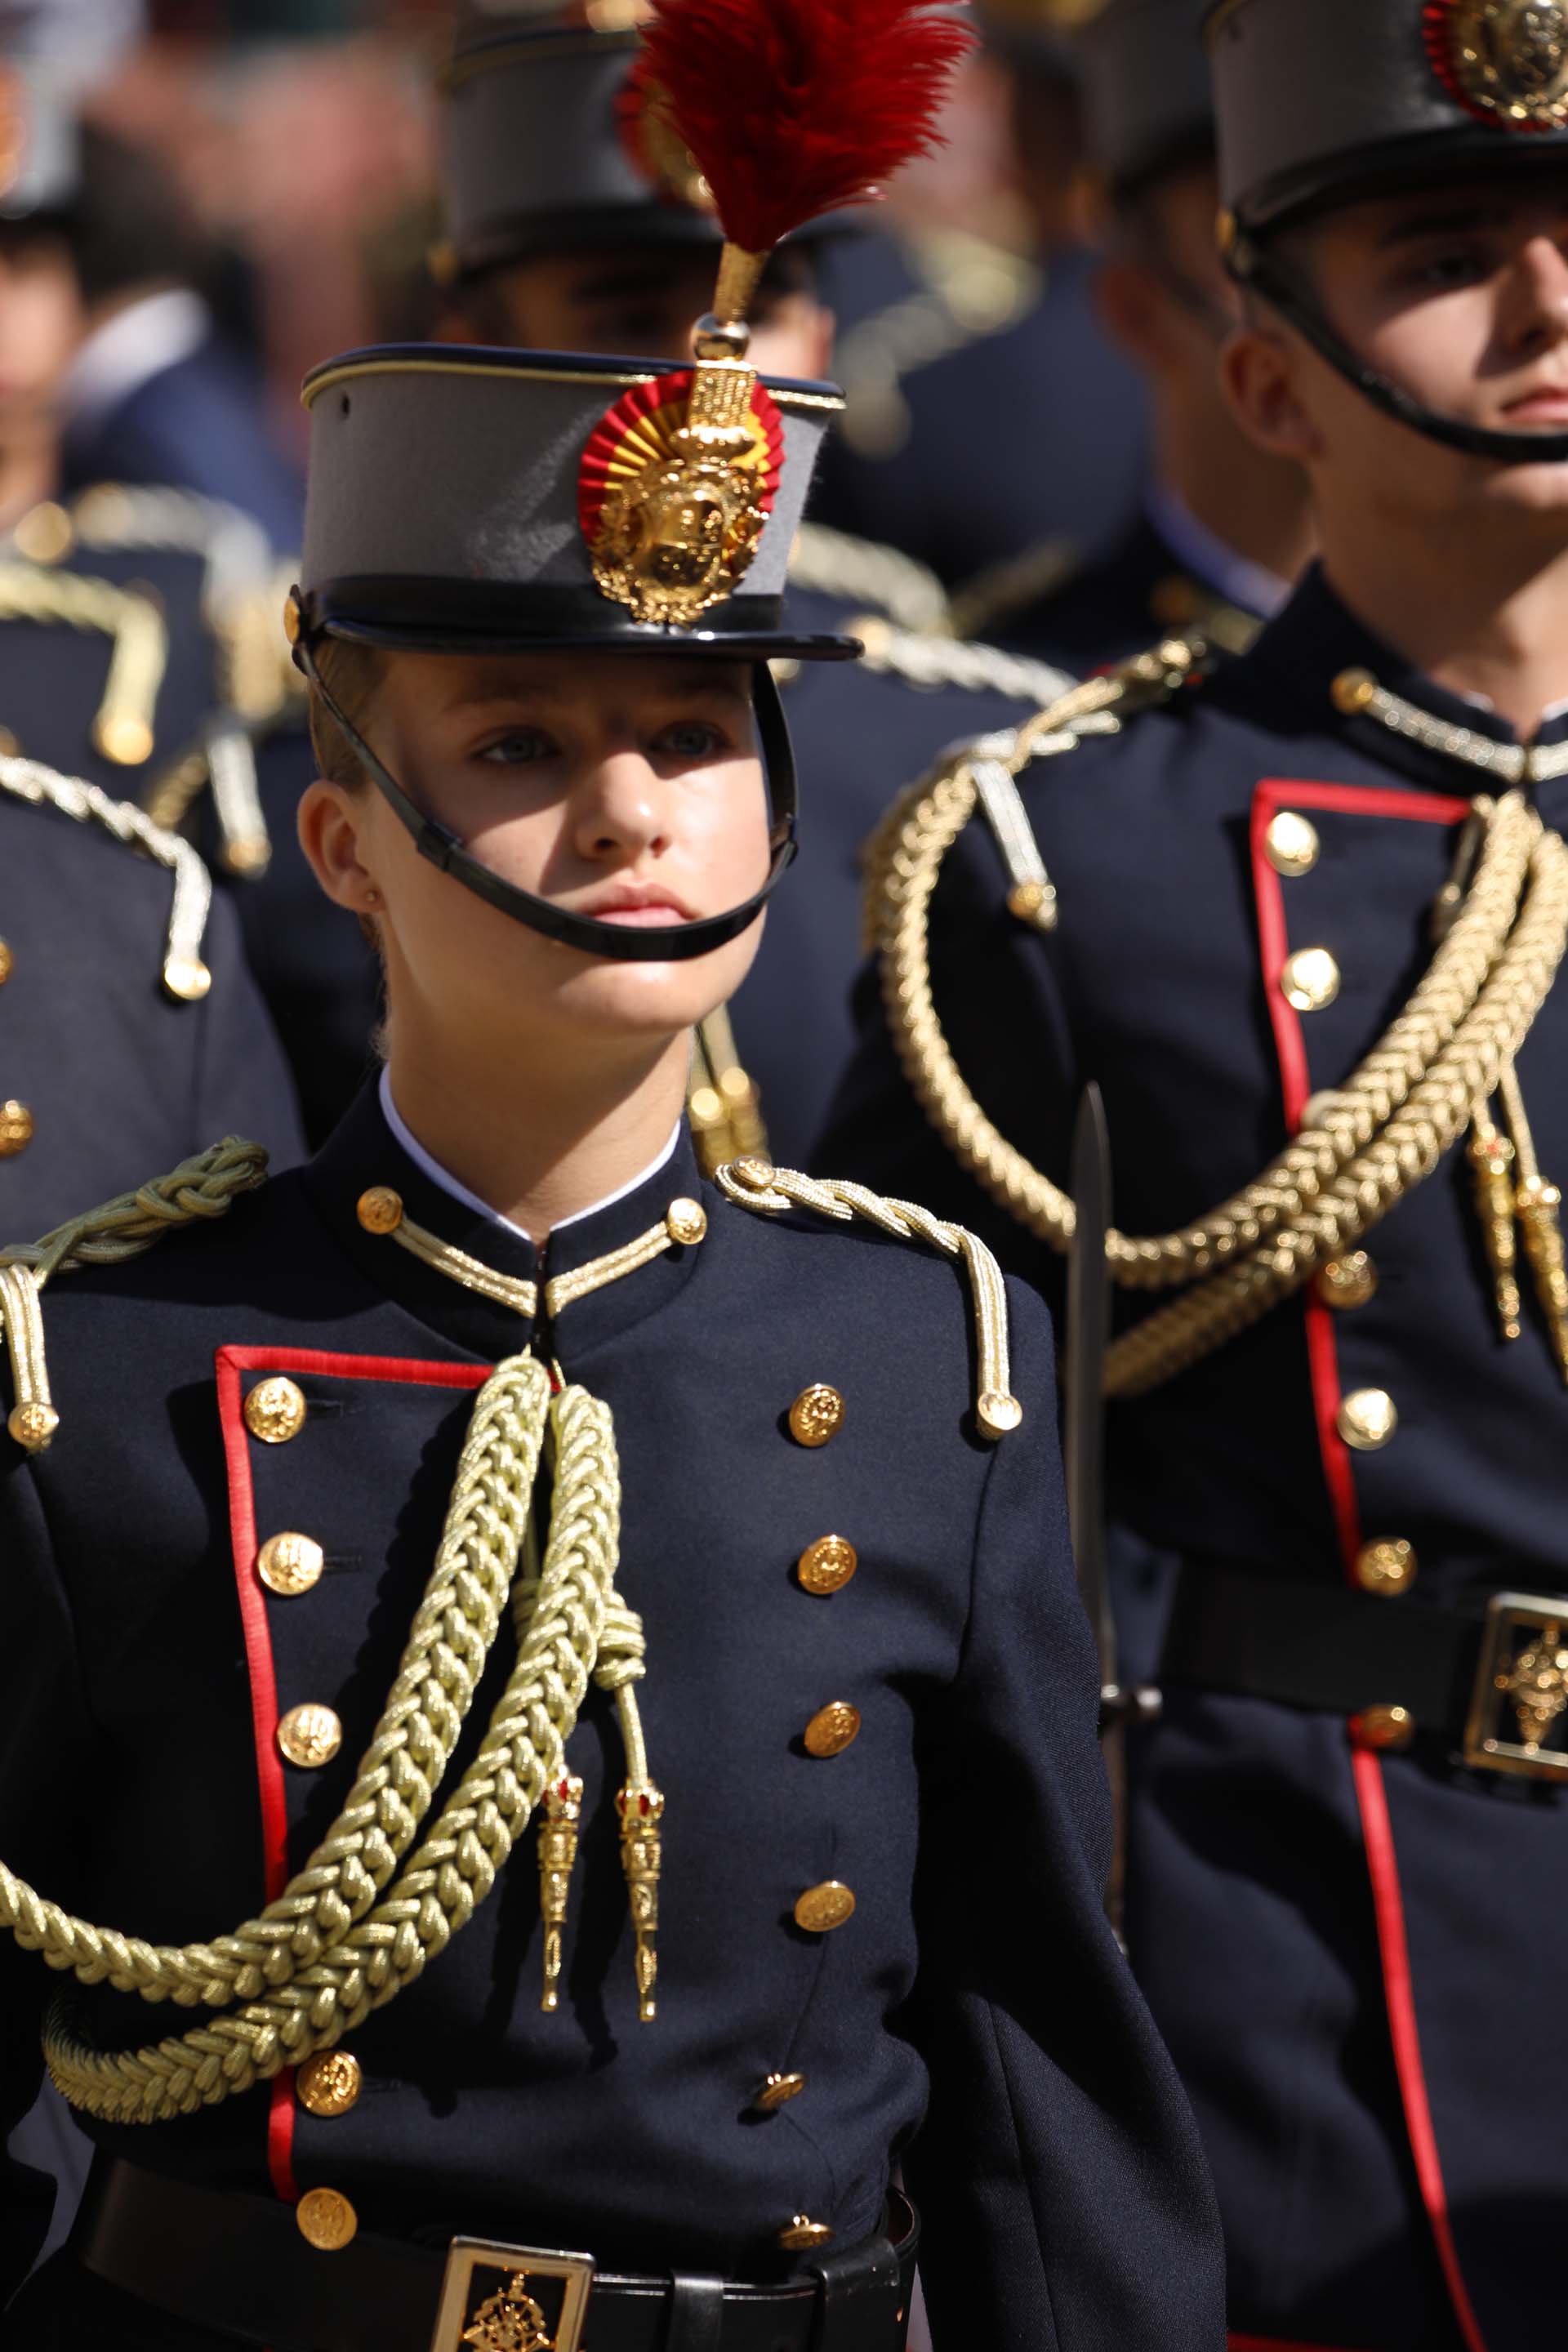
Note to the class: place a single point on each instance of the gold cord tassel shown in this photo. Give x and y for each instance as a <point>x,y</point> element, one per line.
<point>1491,1162</point>
<point>557,1859</point>
<point>641,1809</point>
<point>1538,1204</point>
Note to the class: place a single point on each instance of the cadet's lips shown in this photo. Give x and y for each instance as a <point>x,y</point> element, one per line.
<point>639,906</point>
<point>1547,404</point>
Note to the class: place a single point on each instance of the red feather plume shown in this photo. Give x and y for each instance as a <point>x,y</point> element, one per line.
<point>793,107</point>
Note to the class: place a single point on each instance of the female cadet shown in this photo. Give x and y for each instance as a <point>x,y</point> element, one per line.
<point>494,1480</point>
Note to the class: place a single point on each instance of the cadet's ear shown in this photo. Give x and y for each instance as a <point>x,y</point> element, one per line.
<point>1260,374</point>
<point>1134,310</point>
<point>331,828</point>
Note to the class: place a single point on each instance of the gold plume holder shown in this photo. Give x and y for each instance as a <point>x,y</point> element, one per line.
<point>558,1833</point>
<point>641,1809</point>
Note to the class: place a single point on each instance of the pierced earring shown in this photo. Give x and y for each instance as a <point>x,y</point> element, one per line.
<point>373,898</point>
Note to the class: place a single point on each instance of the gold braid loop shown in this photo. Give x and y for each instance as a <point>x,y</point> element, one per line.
<point>1440,1106</point>
<point>203,1187</point>
<point>757,1185</point>
<point>909,858</point>
<point>365,1959</point>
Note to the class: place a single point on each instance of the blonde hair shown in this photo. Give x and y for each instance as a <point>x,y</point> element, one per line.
<point>351,674</point>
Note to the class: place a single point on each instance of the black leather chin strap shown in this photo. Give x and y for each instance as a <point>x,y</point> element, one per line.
<point>624,943</point>
<point>1265,274</point>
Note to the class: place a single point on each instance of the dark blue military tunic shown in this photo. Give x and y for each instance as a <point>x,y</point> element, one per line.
<point>858,738</point>
<point>974,2016</point>
<point>116,1075</point>
<point>1117,606</point>
<point>1348,1951</point>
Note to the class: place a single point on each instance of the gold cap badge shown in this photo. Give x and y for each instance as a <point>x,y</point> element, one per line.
<point>1506,60</point>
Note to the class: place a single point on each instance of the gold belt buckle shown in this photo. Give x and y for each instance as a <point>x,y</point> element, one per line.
<point>1522,1680</point>
<point>498,2299</point>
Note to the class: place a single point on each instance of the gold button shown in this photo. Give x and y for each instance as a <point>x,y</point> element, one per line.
<point>1310,979</point>
<point>16,1129</point>
<point>275,1411</point>
<point>326,2219</point>
<point>380,1211</point>
<point>45,533</point>
<point>821,1908</point>
<point>291,622</point>
<point>7,963</point>
<point>1290,843</point>
<point>187,978</point>
<point>1353,691</point>
<point>123,737</point>
<point>1346,1282</point>
<point>832,1728</point>
<point>816,1414</point>
<point>32,1426</point>
<point>998,1412</point>
<point>1367,1419</point>
<point>777,2092</point>
<point>290,1563</point>
<point>329,2083</point>
<point>1387,1566</point>
<point>827,1565</point>
<point>803,2233</point>
<point>1383,1727</point>
<point>686,1221</point>
<point>309,1735</point>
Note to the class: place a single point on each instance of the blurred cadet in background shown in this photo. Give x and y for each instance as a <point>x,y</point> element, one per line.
<point>989,412</point>
<point>153,394</point>
<point>1224,527</point>
<point>574,221</point>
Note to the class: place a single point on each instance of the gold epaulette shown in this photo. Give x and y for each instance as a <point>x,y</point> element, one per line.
<point>184,974</point>
<point>769,1191</point>
<point>1379,1134</point>
<point>196,1192</point>
<point>138,646</point>
<point>242,594</point>
<point>864,572</point>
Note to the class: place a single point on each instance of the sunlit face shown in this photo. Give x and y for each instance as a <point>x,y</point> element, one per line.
<point>42,326</point>
<point>644,300</point>
<point>1459,295</point>
<point>624,786</point>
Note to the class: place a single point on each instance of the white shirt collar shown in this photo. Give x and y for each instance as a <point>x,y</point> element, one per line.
<point>1240,582</point>
<point>129,348</point>
<point>449,1183</point>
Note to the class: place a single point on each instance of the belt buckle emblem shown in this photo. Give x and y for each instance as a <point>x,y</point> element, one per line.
<point>496,2298</point>
<point>1521,1687</point>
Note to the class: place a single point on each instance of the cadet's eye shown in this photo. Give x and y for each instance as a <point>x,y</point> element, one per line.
<point>693,738</point>
<point>519,747</point>
<point>1458,265</point>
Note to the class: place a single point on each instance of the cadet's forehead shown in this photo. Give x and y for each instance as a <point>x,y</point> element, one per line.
<point>1464,200</point>
<point>456,682</point>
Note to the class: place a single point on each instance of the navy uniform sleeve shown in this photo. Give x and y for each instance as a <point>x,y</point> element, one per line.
<point>243,1084</point>
<point>996,984</point>
<point>45,1739</point>
<point>1065,2195</point>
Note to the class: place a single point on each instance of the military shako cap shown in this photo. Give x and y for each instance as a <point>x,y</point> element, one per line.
<point>1323,103</point>
<point>475,500</point>
<point>1146,91</point>
<point>546,147</point>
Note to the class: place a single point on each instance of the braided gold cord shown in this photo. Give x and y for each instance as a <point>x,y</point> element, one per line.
<point>122,729</point>
<point>351,1954</point>
<point>756,1184</point>
<point>199,1189</point>
<point>1438,1110</point>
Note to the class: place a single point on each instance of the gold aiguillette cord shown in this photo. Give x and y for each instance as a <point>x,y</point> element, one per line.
<point>1491,1164</point>
<point>1538,1204</point>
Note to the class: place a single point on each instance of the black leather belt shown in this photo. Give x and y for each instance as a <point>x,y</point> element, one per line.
<point>237,2267</point>
<point>1337,1652</point>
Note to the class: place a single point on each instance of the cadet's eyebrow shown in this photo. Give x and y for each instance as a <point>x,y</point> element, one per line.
<point>1450,219</point>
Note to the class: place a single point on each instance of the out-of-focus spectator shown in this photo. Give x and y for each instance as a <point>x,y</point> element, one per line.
<point>988,409</point>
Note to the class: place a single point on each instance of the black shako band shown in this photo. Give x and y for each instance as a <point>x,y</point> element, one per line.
<point>453,617</point>
<point>655,944</point>
<point>1263,273</point>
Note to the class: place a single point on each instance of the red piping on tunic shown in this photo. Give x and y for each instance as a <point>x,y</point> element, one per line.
<point>1377,1836</point>
<point>1323,1358</point>
<point>231,1363</point>
<point>1278,2344</point>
